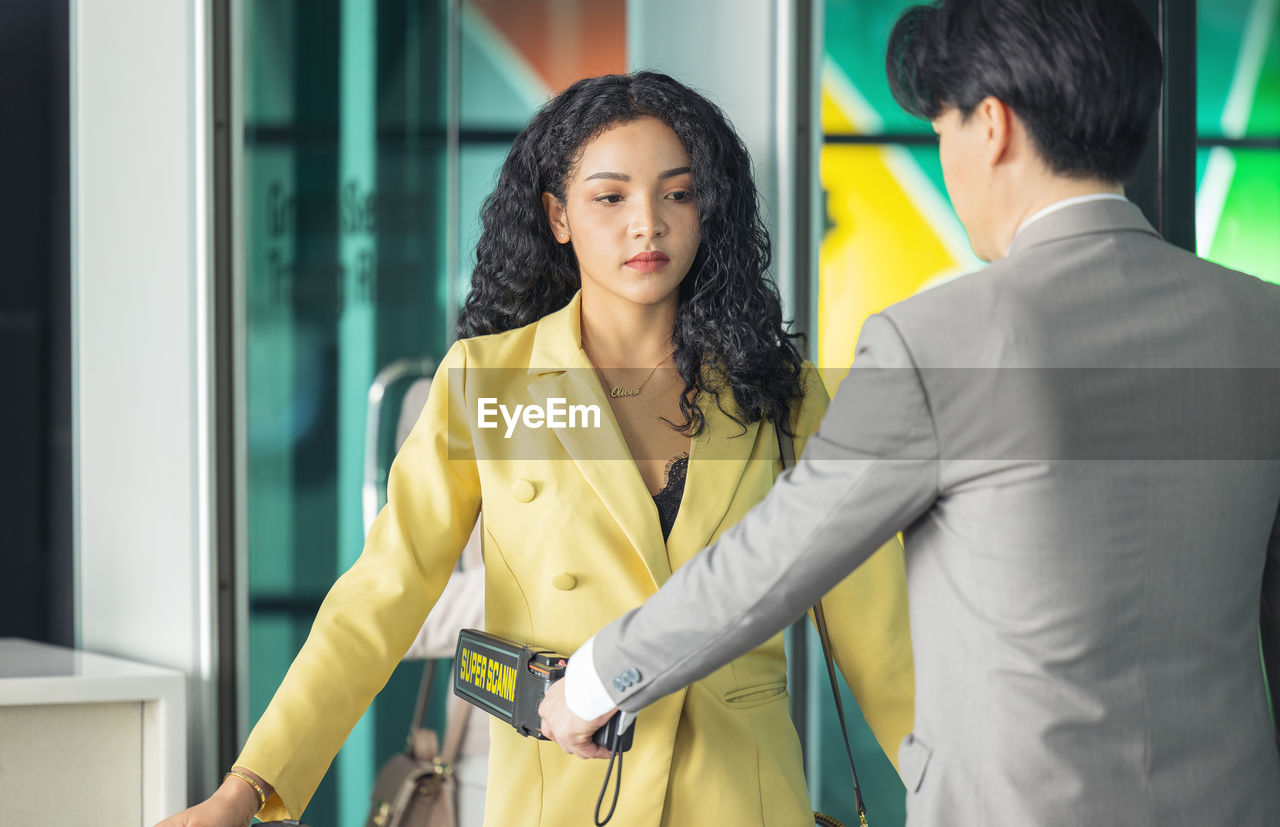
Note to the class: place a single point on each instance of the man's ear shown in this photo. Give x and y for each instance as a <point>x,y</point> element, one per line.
<point>998,126</point>
<point>556,217</point>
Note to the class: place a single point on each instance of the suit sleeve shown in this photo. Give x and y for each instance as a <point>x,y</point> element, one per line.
<point>868,621</point>
<point>869,472</point>
<point>372,613</point>
<point>1270,622</point>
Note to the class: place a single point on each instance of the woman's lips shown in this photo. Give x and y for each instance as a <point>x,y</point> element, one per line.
<point>648,262</point>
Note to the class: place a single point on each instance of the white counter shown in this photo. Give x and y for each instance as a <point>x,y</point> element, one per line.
<point>88,739</point>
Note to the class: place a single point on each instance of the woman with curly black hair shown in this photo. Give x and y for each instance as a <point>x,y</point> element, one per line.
<point>622,268</point>
<point>727,312</point>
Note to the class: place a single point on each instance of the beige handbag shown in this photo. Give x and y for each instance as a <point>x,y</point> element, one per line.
<point>416,788</point>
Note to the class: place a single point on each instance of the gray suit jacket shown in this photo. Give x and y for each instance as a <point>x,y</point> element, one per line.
<point>1081,443</point>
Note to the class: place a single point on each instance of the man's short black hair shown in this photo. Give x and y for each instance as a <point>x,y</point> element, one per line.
<point>1083,75</point>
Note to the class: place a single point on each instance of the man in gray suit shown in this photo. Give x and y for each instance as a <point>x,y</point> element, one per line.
<point>1080,443</point>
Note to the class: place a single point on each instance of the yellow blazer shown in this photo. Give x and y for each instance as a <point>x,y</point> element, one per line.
<point>571,541</point>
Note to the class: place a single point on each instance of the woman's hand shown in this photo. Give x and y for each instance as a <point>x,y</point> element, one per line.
<point>232,805</point>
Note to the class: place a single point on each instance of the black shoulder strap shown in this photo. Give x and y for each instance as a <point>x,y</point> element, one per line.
<point>787,449</point>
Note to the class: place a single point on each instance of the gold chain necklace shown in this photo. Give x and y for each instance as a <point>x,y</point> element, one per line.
<point>619,392</point>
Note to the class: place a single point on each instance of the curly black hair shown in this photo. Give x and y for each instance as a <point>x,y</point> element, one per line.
<point>729,332</point>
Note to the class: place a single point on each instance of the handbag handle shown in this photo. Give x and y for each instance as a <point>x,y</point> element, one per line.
<point>424,691</point>
<point>787,450</point>
<point>457,715</point>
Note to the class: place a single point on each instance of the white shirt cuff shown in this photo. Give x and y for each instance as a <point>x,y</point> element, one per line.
<point>584,692</point>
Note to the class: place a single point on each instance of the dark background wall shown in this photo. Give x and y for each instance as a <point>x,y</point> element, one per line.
<point>35,332</point>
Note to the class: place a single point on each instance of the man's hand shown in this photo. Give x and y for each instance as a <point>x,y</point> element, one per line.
<point>572,733</point>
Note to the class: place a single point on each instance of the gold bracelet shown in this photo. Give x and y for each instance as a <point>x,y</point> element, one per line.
<point>262,795</point>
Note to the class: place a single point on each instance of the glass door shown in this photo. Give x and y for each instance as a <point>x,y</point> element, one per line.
<point>372,133</point>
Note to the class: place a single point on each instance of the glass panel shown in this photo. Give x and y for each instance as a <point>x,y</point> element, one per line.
<point>1238,68</point>
<point>517,53</point>
<point>347,201</point>
<point>344,198</point>
<point>890,231</point>
<point>853,70</point>
<point>1238,209</point>
<point>1238,98</point>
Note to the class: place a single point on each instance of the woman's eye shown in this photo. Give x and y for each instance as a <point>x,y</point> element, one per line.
<point>680,195</point>
<point>611,198</point>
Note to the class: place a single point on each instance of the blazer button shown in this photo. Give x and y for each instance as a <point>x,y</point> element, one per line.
<point>523,491</point>
<point>564,581</point>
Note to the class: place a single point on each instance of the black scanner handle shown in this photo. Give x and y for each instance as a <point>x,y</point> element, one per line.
<point>528,704</point>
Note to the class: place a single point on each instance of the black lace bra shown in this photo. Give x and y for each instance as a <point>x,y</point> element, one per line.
<point>668,499</point>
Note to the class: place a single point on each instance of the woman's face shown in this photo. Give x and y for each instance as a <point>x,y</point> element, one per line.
<point>630,214</point>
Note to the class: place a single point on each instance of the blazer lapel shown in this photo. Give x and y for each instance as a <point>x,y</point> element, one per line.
<point>559,368</point>
<point>717,460</point>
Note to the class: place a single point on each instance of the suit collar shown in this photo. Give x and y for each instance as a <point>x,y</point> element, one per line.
<point>1068,202</point>
<point>557,340</point>
<point>1099,216</point>
<point>559,368</point>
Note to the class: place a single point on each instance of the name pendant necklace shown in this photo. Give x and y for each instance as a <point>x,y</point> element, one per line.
<point>618,391</point>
